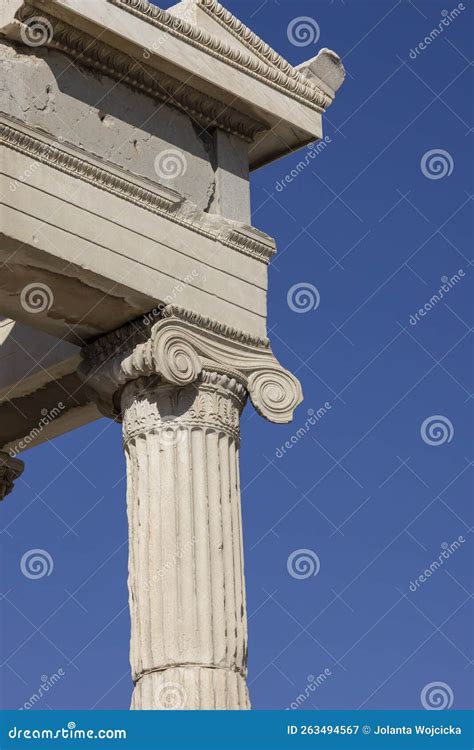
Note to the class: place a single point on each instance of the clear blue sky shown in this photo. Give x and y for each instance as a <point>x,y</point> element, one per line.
<point>366,226</point>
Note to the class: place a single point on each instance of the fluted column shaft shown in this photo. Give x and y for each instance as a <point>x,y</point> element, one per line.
<point>186,583</point>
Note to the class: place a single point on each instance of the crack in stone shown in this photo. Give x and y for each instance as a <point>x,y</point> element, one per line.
<point>191,665</point>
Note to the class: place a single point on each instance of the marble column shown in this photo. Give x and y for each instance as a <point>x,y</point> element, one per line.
<point>187,599</point>
<point>179,388</point>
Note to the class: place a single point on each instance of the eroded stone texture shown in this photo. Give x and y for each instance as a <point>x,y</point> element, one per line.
<point>106,118</point>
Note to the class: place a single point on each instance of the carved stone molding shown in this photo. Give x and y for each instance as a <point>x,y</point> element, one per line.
<point>216,403</point>
<point>271,68</point>
<point>10,470</point>
<point>179,348</point>
<point>248,37</point>
<point>260,62</point>
<point>152,197</point>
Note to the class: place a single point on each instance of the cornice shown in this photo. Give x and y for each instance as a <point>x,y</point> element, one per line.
<point>96,54</point>
<point>274,70</point>
<point>159,200</point>
<point>250,245</point>
<point>246,36</point>
<point>182,346</point>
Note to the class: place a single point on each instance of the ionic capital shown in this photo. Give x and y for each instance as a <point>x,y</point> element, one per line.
<point>178,348</point>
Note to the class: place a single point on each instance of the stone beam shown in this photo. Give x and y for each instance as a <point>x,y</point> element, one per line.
<point>41,395</point>
<point>119,245</point>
